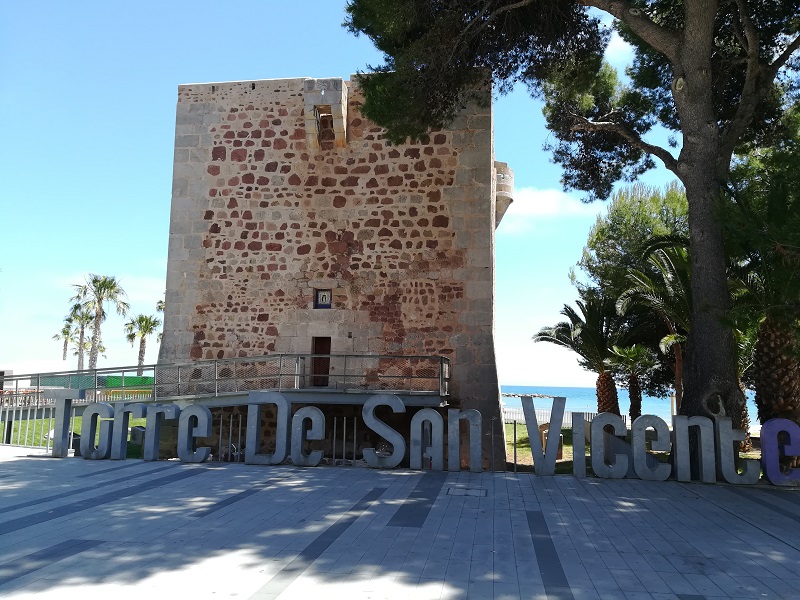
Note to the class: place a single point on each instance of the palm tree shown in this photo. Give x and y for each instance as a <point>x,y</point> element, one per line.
<point>776,365</point>
<point>160,306</point>
<point>591,335</point>
<point>80,350</point>
<point>66,334</point>
<point>141,326</point>
<point>82,320</point>
<point>666,293</point>
<point>763,231</point>
<point>93,295</point>
<point>634,360</point>
<point>767,294</point>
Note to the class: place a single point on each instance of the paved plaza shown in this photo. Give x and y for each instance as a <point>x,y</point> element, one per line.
<point>131,529</point>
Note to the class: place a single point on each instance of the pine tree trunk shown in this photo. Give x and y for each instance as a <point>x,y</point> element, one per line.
<point>711,383</point>
<point>703,165</point>
<point>635,395</point>
<point>607,400</point>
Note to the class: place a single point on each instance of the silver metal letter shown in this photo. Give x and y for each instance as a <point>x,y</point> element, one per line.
<point>661,443</point>
<point>544,461</point>
<point>300,435</point>
<point>98,411</point>
<point>156,414</point>
<point>383,430</point>
<point>619,467</point>
<point>728,440</point>
<point>680,447</point>
<point>187,431</point>
<point>119,437</point>
<point>771,450</point>
<point>436,450</point>
<point>255,401</point>
<point>61,431</point>
<point>473,417</point>
<point>578,445</point>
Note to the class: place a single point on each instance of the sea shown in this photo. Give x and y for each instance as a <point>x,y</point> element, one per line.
<point>583,399</point>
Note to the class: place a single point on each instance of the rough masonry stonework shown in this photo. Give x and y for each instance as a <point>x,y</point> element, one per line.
<point>282,187</point>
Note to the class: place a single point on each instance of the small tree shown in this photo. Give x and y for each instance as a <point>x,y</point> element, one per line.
<point>93,296</point>
<point>82,320</point>
<point>141,326</point>
<point>66,334</point>
<point>80,350</point>
<point>620,242</point>
<point>665,291</point>
<point>633,361</point>
<point>591,335</point>
<point>160,307</point>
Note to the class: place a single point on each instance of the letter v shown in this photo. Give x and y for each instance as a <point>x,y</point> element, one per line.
<point>544,460</point>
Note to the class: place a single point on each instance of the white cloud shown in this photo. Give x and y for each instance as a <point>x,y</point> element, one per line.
<point>522,362</point>
<point>532,205</point>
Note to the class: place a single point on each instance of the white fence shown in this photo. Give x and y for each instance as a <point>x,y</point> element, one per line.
<point>513,413</point>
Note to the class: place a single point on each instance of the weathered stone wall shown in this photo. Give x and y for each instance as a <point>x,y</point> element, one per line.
<point>402,235</point>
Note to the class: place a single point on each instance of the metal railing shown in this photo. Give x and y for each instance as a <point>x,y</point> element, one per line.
<point>28,417</point>
<point>340,444</point>
<point>350,372</point>
<point>513,414</point>
<point>27,401</point>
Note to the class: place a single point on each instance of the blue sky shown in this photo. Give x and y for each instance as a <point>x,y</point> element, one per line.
<point>88,90</point>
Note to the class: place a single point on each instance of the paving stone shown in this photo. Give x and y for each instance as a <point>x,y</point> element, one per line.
<point>222,532</point>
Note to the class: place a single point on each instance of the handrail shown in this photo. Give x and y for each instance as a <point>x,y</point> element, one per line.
<point>352,372</point>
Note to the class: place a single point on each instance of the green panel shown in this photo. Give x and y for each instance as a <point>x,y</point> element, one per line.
<point>76,382</point>
<point>114,381</point>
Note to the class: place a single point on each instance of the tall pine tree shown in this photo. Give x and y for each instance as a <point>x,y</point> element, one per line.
<point>715,73</point>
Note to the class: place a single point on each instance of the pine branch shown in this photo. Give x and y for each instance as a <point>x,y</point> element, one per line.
<point>483,20</point>
<point>659,38</point>
<point>751,90</point>
<point>630,136</point>
<point>783,58</point>
<point>750,31</point>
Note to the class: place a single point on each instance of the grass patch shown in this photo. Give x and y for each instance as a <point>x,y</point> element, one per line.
<point>524,456</point>
<point>34,432</point>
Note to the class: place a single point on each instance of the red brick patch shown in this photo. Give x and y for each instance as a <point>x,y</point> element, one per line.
<point>219,153</point>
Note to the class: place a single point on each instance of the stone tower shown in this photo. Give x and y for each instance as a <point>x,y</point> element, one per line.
<point>284,195</point>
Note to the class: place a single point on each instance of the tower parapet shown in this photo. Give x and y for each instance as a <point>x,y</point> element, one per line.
<point>504,186</point>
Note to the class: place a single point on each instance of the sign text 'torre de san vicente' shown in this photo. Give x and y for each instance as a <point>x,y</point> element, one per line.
<point>717,445</point>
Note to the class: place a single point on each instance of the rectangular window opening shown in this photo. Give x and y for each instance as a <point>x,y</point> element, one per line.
<point>325,131</point>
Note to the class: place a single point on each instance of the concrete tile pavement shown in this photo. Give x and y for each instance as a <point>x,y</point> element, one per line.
<point>131,529</point>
